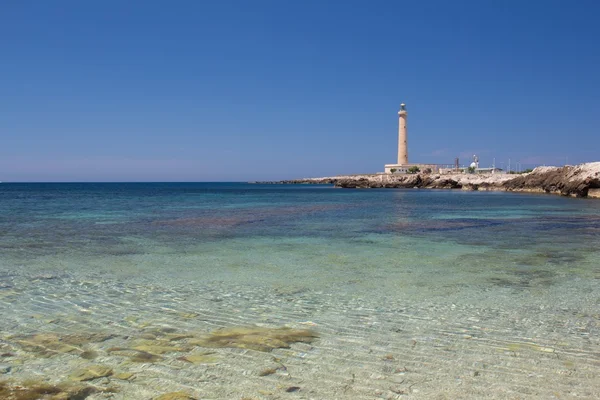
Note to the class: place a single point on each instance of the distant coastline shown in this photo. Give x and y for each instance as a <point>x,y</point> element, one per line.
<point>576,181</point>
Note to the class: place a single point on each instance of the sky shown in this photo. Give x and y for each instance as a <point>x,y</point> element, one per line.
<point>256,90</point>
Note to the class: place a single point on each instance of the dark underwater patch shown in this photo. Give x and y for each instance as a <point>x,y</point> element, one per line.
<point>525,278</point>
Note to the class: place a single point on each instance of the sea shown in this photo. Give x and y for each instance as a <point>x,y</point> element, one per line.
<point>250,291</point>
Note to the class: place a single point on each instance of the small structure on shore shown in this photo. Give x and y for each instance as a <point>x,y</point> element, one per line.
<point>473,168</point>
<point>464,170</point>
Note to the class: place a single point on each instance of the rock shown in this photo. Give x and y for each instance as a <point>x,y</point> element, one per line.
<point>84,338</point>
<point>33,390</point>
<point>30,390</point>
<point>5,369</point>
<point>143,357</point>
<point>89,355</point>
<point>175,337</point>
<point>161,330</point>
<point>594,193</point>
<point>175,396</point>
<point>45,344</point>
<point>134,355</point>
<point>256,338</point>
<point>268,371</point>
<point>470,187</point>
<point>50,344</point>
<point>156,347</point>
<point>200,358</point>
<point>576,181</point>
<point>124,376</point>
<point>90,373</point>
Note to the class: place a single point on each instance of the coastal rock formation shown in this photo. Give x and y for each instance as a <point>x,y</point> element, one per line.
<point>567,181</point>
<point>576,181</point>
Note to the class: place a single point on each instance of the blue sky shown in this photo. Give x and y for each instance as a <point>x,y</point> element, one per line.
<point>233,91</point>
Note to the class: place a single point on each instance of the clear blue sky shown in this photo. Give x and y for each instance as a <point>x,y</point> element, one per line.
<point>221,90</point>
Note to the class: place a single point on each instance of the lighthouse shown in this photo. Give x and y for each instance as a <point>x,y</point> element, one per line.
<point>403,166</point>
<point>402,146</point>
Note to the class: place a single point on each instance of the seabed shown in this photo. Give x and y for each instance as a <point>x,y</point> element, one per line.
<point>326,295</point>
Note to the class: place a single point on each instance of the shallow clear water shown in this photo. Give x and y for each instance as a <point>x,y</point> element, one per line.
<point>413,293</point>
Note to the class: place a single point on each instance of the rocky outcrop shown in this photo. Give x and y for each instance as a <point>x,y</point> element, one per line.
<point>594,193</point>
<point>306,181</point>
<point>381,181</point>
<point>567,181</point>
<point>576,181</point>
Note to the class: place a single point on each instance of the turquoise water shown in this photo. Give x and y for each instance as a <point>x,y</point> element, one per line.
<point>412,293</point>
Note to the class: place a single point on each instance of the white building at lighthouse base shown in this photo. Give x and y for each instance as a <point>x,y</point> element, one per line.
<point>404,168</point>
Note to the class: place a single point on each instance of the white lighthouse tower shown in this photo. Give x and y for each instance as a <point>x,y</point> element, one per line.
<point>402,146</point>
<point>402,166</point>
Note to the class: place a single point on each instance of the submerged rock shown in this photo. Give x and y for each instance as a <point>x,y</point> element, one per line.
<point>256,338</point>
<point>89,354</point>
<point>124,376</point>
<point>50,344</point>
<point>45,344</point>
<point>90,373</point>
<point>143,357</point>
<point>175,337</point>
<point>200,358</point>
<point>35,390</point>
<point>157,347</point>
<point>79,339</point>
<point>175,396</point>
<point>135,355</point>
<point>267,371</point>
<point>164,334</point>
<point>27,390</point>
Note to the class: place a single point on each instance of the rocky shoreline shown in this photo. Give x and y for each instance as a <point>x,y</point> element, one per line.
<point>576,181</point>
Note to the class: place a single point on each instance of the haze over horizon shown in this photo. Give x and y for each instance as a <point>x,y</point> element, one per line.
<point>237,91</point>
